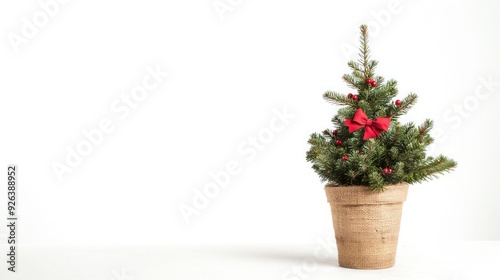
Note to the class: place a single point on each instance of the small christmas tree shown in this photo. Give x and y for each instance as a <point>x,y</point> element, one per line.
<point>368,146</point>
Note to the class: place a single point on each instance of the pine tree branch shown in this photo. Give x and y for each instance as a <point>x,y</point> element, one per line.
<point>354,66</point>
<point>337,98</point>
<point>364,50</point>
<point>318,140</point>
<point>406,104</point>
<point>351,81</point>
<point>372,64</point>
<point>338,121</point>
<point>432,168</point>
<point>383,94</point>
<point>376,181</point>
<point>358,74</point>
<point>425,128</point>
<point>396,135</point>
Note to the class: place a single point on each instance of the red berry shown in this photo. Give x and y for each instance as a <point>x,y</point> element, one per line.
<point>345,158</point>
<point>350,95</point>
<point>397,102</point>
<point>385,170</point>
<point>374,83</point>
<point>390,170</point>
<point>369,81</point>
<point>338,142</point>
<point>335,132</point>
<point>355,97</point>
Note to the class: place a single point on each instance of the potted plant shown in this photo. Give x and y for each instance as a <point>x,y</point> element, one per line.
<point>368,159</point>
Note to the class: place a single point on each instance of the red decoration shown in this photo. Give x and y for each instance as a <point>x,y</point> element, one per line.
<point>390,170</point>
<point>397,102</point>
<point>385,170</point>
<point>373,128</point>
<point>371,82</point>
<point>338,142</point>
<point>335,132</point>
<point>355,97</point>
<point>350,95</point>
<point>345,158</point>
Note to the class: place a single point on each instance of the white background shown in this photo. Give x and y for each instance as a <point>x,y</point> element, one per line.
<point>227,76</point>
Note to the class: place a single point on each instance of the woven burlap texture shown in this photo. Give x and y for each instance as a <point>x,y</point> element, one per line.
<point>366,224</point>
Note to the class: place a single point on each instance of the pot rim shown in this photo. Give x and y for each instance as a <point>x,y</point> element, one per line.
<point>363,195</point>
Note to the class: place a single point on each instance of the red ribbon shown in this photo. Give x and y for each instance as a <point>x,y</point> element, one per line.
<point>373,128</point>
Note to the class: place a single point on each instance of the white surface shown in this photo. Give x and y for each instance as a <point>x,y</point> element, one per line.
<point>226,80</point>
<point>452,261</point>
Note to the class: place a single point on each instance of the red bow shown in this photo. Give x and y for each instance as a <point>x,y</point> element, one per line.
<point>372,128</point>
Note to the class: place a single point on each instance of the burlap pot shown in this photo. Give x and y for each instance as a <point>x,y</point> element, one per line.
<point>366,224</point>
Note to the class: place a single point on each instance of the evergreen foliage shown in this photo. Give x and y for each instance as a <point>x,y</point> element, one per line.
<point>396,155</point>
